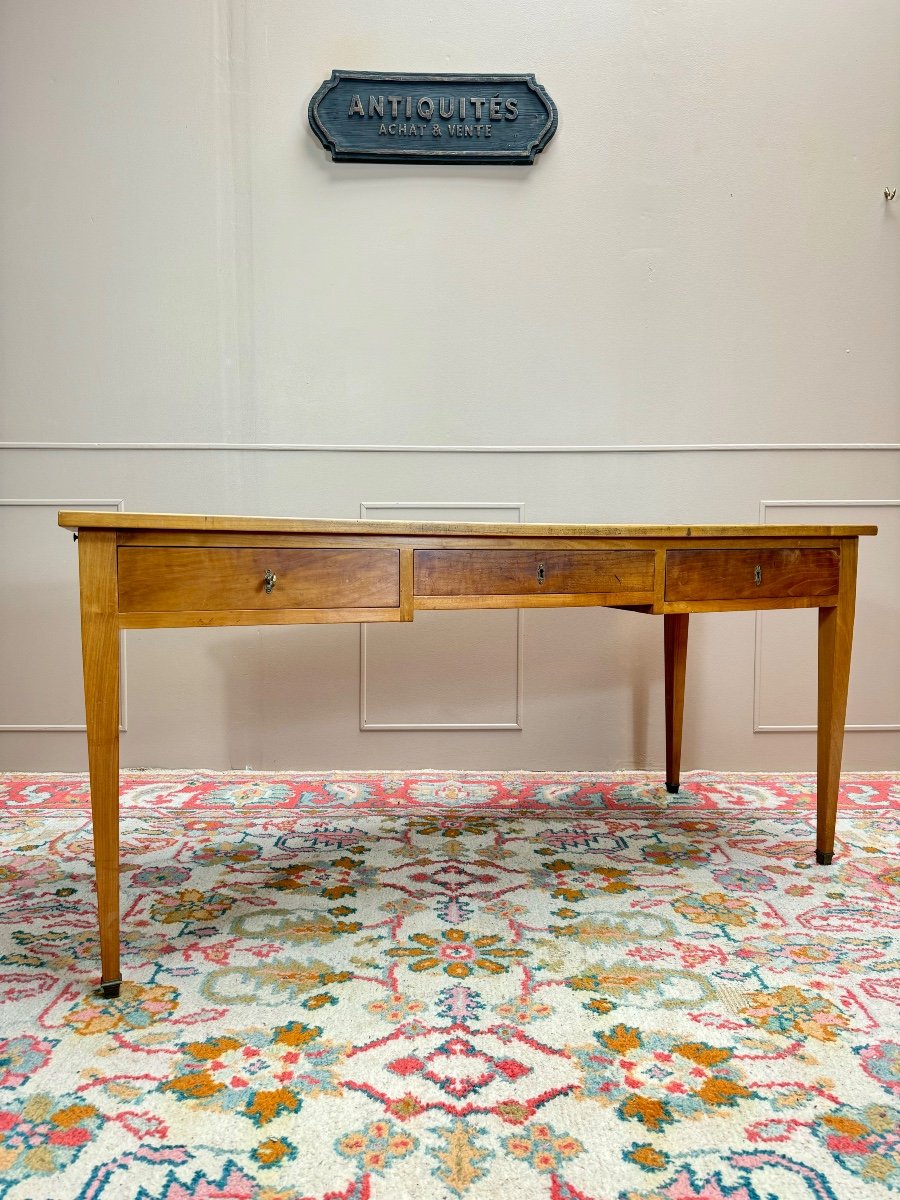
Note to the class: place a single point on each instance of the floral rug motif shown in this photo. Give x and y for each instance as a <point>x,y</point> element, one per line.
<point>453,987</point>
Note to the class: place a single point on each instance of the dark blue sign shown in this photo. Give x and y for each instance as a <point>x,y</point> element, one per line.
<point>364,116</point>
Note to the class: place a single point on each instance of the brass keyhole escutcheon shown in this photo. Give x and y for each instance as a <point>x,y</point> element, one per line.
<point>269,581</point>
<point>540,573</point>
<point>757,575</point>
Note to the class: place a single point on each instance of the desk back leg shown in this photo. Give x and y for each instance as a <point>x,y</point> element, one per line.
<point>835,642</point>
<point>100,652</point>
<point>675,636</point>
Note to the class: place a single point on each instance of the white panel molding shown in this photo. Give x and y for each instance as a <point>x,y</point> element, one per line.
<point>367,726</point>
<point>119,506</point>
<point>234,216</point>
<point>376,448</point>
<point>758,725</point>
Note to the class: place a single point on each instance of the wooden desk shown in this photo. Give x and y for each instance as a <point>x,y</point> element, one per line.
<point>157,570</point>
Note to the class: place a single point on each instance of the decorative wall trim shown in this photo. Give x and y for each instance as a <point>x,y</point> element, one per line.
<point>367,726</point>
<point>119,505</point>
<point>758,726</point>
<point>234,217</point>
<point>374,448</point>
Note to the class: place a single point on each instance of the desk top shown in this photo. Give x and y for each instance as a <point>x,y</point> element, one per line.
<point>222,524</point>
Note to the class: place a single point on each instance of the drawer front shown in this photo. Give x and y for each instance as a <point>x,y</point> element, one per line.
<point>750,574</point>
<point>198,579</point>
<point>531,572</point>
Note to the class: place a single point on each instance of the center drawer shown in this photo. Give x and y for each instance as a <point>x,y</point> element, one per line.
<point>531,572</point>
<point>197,579</point>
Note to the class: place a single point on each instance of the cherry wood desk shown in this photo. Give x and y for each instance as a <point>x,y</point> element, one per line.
<point>159,570</point>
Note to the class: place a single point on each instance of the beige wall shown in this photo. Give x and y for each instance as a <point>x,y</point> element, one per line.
<point>701,262</point>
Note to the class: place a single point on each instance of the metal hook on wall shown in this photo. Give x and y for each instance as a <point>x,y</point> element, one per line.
<point>890,193</point>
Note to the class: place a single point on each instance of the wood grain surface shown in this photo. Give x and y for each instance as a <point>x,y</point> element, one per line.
<point>835,644</point>
<point>750,574</point>
<point>531,572</point>
<point>100,658</point>
<point>85,519</point>
<point>196,579</point>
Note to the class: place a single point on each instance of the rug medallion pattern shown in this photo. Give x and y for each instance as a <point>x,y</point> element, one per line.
<point>453,987</point>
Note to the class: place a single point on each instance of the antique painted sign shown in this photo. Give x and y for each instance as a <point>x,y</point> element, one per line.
<point>364,116</point>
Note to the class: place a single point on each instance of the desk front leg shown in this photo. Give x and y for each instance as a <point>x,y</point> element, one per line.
<point>675,637</point>
<point>100,652</point>
<point>835,642</point>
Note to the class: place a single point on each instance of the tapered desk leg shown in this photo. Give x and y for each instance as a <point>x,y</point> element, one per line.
<point>100,651</point>
<point>835,642</point>
<point>675,636</point>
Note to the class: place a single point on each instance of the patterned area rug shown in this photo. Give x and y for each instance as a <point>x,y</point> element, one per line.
<point>453,987</point>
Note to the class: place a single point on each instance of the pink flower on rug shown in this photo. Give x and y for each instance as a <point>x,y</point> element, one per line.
<point>396,1007</point>
<point>44,1134</point>
<point>377,1146</point>
<point>715,908</point>
<point>882,1063</point>
<point>136,1007</point>
<point>542,1147</point>
<point>237,1186</point>
<point>789,1010</point>
<point>684,1188</point>
<point>20,1057</point>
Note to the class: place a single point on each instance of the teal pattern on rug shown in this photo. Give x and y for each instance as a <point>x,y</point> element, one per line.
<point>453,987</point>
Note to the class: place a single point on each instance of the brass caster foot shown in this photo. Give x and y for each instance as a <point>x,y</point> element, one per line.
<point>671,788</point>
<point>110,991</point>
<point>823,859</point>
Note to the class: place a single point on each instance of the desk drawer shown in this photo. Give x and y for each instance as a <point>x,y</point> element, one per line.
<point>750,574</point>
<point>531,572</point>
<point>198,579</point>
